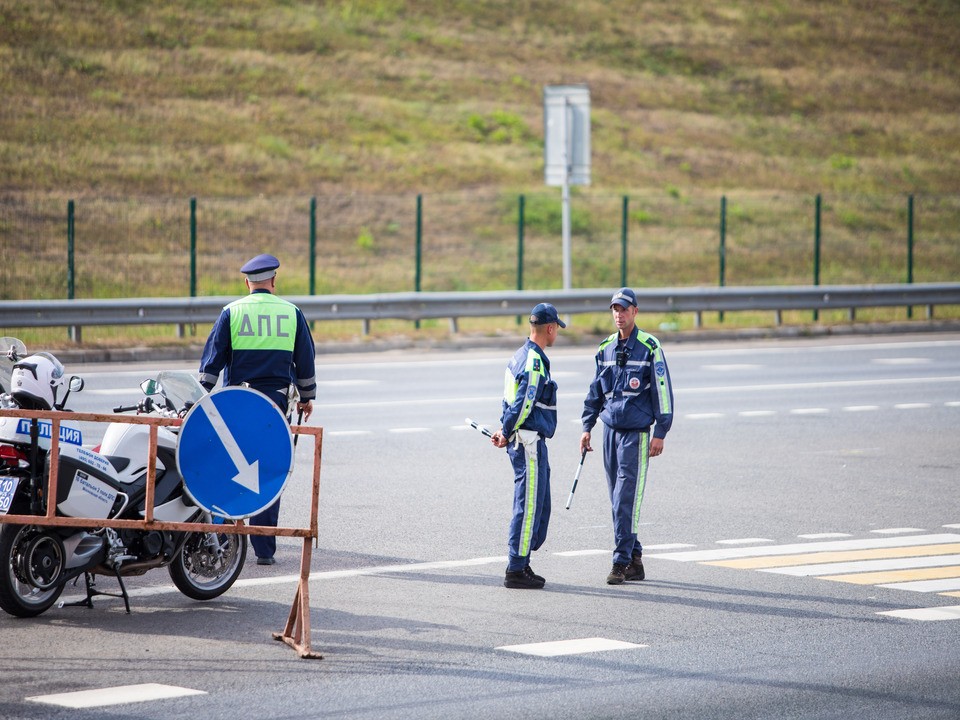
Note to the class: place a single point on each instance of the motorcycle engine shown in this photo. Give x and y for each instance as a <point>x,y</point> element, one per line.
<point>148,545</point>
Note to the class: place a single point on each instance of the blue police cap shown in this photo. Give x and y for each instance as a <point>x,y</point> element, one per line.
<point>624,297</point>
<point>545,313</point>
<point>262,267</point>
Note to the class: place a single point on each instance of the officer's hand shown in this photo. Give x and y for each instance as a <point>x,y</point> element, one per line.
<point>306,408</point>
<point>585,443</point>
<point>498,439</point>
<point>656,447</point>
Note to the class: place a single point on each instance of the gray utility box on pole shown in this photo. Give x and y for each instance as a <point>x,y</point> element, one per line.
<point>566,149</point>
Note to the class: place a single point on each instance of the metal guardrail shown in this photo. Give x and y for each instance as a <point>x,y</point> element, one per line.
<point>427,305</point>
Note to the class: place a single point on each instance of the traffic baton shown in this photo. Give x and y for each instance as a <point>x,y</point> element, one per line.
<point>483,429</point>
<point>296,436</point>
<point>576,478</point>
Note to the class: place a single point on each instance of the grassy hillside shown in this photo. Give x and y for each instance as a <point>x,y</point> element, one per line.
<point>136,97</point>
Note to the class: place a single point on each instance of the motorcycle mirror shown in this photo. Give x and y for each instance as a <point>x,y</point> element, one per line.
<point>150,387</point>
<point>75,385</point>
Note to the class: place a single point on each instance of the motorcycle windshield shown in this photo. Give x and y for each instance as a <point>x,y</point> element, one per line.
<point>10,349</point>
<point>180,387</point>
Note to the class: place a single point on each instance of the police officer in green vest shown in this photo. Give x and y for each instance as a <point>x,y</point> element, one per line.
<point>632,394</point>
<point>263,341</point>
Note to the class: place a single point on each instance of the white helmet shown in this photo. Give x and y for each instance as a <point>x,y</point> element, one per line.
<point>35,381</point>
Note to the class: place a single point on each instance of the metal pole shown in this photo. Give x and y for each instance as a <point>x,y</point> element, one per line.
<point>723,244</point>
<point>74,331</point>
<point>623,240</point>
<point>816,247</point>
<point>313,246</point>
<point>520,226</point>
<point>193,247</point>
<point>181,328</point>
<point>313,249</point>
<point>910,248</point>
<point>419,250</point>
<point>565,196</point>
<point>70,244</point>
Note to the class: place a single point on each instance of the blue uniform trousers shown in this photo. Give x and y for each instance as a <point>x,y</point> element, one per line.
<point>531,501</point>
<point>625,458</point>
<point>265,546</point>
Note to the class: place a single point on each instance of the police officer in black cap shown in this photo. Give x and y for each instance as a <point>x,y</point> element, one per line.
<point>529,418</point>
<point>264,341</point>
<point>631,393</point>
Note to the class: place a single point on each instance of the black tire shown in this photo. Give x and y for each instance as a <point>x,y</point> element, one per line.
<point>208,564</point>
<point>26,552</point>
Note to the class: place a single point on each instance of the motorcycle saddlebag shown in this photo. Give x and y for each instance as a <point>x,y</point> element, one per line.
<point>86,484</point>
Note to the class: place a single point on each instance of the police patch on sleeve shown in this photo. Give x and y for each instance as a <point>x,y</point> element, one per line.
<point>536,364</point>
<point>531,393</point>
<point>660,369</point>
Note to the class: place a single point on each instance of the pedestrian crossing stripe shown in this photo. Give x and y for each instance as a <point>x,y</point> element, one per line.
<point>704,556</point>
<point>919,563</point>
<point>843,556</point>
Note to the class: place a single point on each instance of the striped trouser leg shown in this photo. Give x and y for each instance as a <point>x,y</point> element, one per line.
<point>523,525</point>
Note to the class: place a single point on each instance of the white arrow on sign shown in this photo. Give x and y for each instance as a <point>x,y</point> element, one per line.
<point>248,474</point>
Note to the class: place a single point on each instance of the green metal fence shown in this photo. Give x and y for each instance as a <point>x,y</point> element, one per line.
<point>145,247</point>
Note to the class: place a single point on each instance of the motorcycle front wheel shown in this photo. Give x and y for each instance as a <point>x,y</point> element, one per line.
<point>31,561</point>
<point>208,564</point>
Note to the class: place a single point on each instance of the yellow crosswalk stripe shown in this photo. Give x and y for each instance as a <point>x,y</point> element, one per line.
<point>893,576</point>
<point>755,563</point>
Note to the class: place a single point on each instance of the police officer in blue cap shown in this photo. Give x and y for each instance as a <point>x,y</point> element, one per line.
<point>631,394</point>
<point>529,418</point>
<point>264,341</point>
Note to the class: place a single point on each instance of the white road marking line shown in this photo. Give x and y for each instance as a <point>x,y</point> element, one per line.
<point>824,536</point>
<point>901,361</point>
<point>744,541</point>
<point>926,586</point>
<point>703,416</point>
<point>897,531</point>
<point>839,568</point>
<point>570,647</point>
<point>756,413</point>
<point>954,525</point>
<point>952,403</point>
<point>668,546</point>
<point>739,389</point>
<point>110,391</point>
<point>797,548</point>
<point>579,553</point>
<point>912,406</point>
<point>732,367</point>
<point>809,411</point>
<point>348,433</point>
<point>115,696</point>
<point>346,383</point>
<point>861,408</point>
<point>409,430</point>
<point>948,612</point>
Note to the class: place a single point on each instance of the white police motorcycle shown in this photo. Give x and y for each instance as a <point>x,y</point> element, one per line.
<point>109,481</point>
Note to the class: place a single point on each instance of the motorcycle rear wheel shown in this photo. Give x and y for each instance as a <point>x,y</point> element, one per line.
<point>25,551</point>
<point>208,564</point>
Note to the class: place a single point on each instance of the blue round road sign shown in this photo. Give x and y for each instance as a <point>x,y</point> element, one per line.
<point>235,452</point>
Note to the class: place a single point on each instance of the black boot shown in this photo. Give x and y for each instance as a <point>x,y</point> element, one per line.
<point>520,579</point>
<point>634,570</point>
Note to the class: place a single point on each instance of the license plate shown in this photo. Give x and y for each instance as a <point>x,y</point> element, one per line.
<point>8,488</point>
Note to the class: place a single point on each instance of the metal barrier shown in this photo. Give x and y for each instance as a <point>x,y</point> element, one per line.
<point>426,305</point>
<point>296,632</point>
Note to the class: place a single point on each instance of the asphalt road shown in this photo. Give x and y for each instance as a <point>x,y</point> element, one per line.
<point>801,532</point>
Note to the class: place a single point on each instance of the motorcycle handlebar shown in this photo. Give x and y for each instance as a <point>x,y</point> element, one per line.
<point>125,408</point>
